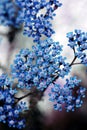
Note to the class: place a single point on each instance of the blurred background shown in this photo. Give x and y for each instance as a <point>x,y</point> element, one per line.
<point>72,15</point>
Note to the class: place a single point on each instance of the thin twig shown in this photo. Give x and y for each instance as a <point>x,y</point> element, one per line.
<point>73,61</point>
<point>77,63</point>
<point>22,97</point>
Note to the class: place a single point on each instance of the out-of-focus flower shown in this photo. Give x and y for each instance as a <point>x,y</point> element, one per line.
<point>9,111</point>
<point>10,15</point>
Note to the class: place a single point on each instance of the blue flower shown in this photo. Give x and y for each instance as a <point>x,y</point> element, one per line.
<point>37,16</point>
<point>9,110</point>
<point>69,96</point>
<point>9,14</point>
<point>40,66</point>
<point>78,42</point>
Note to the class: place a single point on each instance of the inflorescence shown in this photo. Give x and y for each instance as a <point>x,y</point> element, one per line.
<point>9,110</point>
<point>43,65</point>
<point>69,96</point>
<point>39,66</point>
<point>10,14</point>
<point>36,17</point>
<point>78,42</point>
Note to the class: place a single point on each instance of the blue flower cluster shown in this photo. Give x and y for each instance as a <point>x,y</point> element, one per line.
<point>40,66</point>
<point>78,42</point>
<point>9,111</point>
<point>44,64</point>
<point>37,15</point>
<point>69,96</point>
<point>9,14</point>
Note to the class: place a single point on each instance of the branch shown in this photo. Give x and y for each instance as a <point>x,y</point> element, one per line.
<point>73,61</point>
<point>57,76</point>
<point>20,98</point>
<point>77,63</point>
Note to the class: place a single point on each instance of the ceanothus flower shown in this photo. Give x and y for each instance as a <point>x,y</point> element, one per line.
<point>9,110</point>
<point>39,67</point>
<point>10,15</point>
<point>37,15</point>
<point>69,96</point>
<point>78,42</point>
